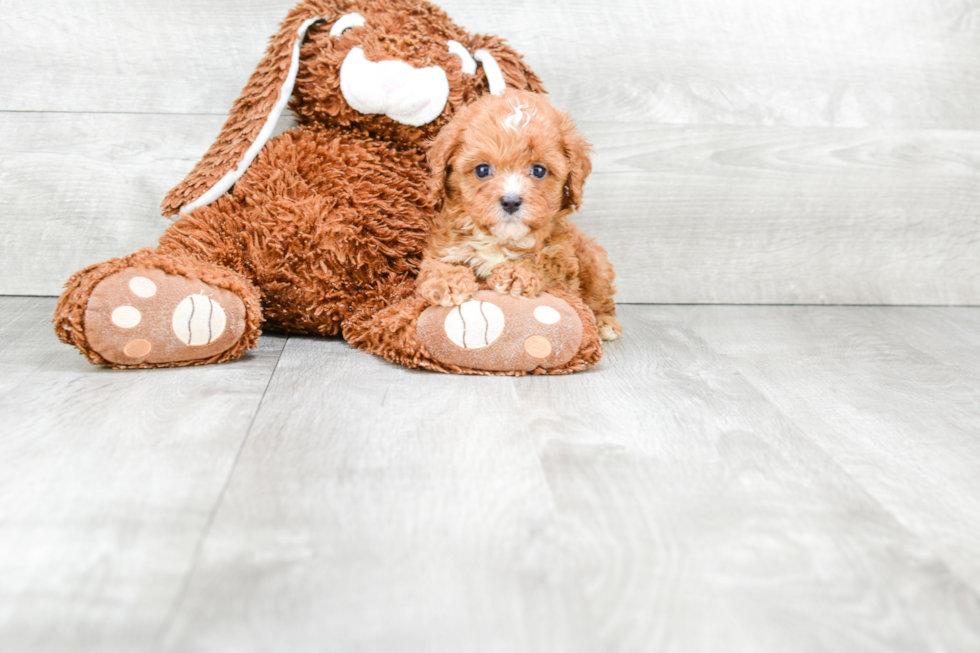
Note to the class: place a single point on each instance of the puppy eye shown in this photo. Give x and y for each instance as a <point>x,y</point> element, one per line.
<point>482,171</point>
<point>539,171</point>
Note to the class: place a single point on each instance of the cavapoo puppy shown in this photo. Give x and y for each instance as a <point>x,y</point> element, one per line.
<point>508,171</point>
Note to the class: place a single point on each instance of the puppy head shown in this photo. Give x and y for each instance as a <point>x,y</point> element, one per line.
<point>512,164</point>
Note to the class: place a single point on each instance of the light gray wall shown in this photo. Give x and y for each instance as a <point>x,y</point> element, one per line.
<point>747,151</point>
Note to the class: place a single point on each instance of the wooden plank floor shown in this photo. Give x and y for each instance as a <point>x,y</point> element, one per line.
<point>729,478</point>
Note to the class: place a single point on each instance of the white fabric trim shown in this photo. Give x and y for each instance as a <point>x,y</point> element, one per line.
<point>469,63</point>
<point>492,71</point>
<point>345,22</point>
<point>233,175</point>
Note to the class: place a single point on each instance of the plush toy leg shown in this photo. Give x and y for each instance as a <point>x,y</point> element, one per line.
<point>554,333</point>
<point>157,310</point>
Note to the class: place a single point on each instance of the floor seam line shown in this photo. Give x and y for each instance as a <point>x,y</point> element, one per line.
<point>206,531</point>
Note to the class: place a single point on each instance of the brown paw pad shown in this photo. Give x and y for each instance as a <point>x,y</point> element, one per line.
<point>502,333</point>
<point>144,315</point>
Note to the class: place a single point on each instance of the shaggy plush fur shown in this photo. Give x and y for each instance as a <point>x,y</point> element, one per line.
<point>327,227</point>
<point>413,31</point>
<point>508,171</point>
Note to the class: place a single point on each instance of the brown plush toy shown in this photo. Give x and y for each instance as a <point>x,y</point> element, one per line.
<point>322,228</point>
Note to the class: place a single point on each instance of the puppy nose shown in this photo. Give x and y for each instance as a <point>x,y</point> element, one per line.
<point>510,203</point>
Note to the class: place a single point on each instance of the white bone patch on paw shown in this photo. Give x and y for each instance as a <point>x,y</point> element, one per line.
<point>126,317</point>
<point>142,287</point>
<point>474,325</point>
<point>199,320</point>
<point>547,315</point>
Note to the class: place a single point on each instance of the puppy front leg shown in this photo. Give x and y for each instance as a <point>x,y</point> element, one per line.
<point>516,279</point>
<point>444,284</point>
<point>596,286</point>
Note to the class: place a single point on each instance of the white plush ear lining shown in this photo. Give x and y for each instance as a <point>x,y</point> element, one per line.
<point>345,22</point>
<point>492,71</point>
<point>469,64</point>
<point>233,175</point>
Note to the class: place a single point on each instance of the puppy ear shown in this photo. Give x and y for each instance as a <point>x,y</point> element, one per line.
<point>517,74</point>
<point>441,152</point>
<point>577,151</point>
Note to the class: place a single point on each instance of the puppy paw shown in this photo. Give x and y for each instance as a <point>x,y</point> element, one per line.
<point>515,280</point>
<point>609,328</point>
<point>449,289</point>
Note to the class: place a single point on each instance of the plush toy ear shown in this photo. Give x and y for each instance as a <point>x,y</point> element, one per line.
<point>577,151</point>
<point>253,115</point>
<point>441,152</point>
<point>516,73</point>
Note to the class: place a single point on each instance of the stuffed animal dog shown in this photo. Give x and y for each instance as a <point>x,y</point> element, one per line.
<point>508,171</point>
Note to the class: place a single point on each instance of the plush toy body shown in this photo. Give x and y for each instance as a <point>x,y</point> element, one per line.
<point>321,229</point>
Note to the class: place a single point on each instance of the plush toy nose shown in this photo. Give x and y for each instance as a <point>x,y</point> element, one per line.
<point>510,203</point>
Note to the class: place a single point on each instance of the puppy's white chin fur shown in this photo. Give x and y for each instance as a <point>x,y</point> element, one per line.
<point>510,232</point>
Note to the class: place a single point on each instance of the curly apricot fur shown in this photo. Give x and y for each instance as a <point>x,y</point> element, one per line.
<point>536,247</point>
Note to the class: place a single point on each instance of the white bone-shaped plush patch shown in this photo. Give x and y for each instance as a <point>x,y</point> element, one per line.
<point>411,96</point>
<point>474,324</point>
<point>345,22</point>
<point>199,320</point>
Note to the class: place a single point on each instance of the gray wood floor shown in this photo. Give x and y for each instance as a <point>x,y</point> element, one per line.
<point>729,478</point>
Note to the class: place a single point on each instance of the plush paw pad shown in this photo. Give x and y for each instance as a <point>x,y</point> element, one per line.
<point>474,325</point>
<point>144,315</point>
<point>502,333</point>
<point>198,320</point>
